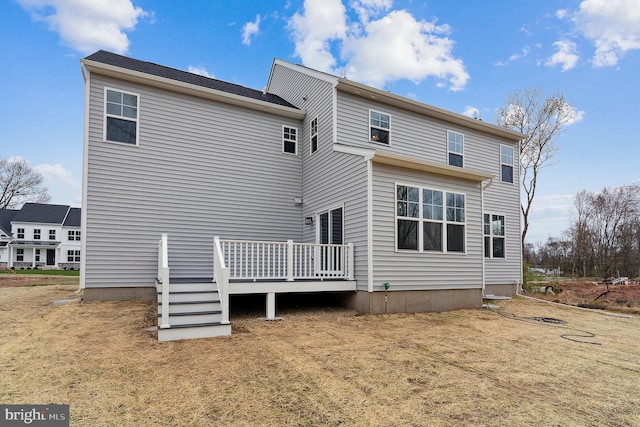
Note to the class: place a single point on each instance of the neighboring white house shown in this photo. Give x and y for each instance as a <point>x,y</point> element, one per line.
<point>43,236</point>
<point>316,183</point>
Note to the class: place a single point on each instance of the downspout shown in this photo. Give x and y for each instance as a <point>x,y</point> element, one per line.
<point>482,188</point>
<point>86,75</point>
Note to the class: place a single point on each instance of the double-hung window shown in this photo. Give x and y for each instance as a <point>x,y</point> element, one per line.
<point>506,163</point>
<point>52,234</point>
<point>379,127</point>
<point>73,256</point>
<point>289,140</point>
<point>455,148</point>
<point>36,234</point>
<point>19,254</point>
<point>429,220</point>
<point>314,135</point>
<point>74,235</point>
<point>121,117</point>
<point>493,236</point>
<point>20,233</point>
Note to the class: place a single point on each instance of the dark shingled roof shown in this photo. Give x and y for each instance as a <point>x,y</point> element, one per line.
<point>73,218</point>
<point>183,76</point>
<point>6,216</point>
<point>44,213</point>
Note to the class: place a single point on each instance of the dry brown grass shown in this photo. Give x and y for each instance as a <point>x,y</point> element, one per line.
<point>322,367</point>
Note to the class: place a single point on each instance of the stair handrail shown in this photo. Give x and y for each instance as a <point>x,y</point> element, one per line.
<point>221,278</point>
<point>163,279</point>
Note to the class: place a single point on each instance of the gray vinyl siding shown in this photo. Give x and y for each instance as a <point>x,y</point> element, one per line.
<point>411,270</point>
<point>201,169</point>
<point>330,179</point>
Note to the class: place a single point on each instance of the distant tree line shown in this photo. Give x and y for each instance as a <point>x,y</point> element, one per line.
<point>603,239</point>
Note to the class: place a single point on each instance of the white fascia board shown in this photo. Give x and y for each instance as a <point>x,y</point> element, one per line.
<point>391,159</point>
<point>367,153</point>
<point>425,109</point>
<point>190,89</point>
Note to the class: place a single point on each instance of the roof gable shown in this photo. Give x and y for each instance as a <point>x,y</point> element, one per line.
<point>73,218</point>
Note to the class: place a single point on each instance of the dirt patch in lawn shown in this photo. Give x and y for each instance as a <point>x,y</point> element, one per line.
<point>591,293</point>
<point>321,367</point>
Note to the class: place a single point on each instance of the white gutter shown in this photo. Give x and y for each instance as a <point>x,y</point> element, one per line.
<point>191,89</point>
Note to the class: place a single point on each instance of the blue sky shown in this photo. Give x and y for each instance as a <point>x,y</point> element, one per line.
<point>464,56</point>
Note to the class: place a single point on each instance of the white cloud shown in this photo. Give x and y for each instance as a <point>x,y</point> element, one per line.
<point>573,116</point>
<point>200,71</point>
<point>561,13</point>
<point>55,175</point>
<point>516,56</point>
<point>472,112</point>
<point>249,30</point>
<point>612,25</point>
<point>87,25</point>
<point>375,50</point>
<point>565,56</point>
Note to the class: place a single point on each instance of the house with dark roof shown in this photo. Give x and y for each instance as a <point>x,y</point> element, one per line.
<point>196,190</point>
<point>44,236</point>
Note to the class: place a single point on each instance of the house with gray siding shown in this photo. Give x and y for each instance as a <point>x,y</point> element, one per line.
<point>196,189</point>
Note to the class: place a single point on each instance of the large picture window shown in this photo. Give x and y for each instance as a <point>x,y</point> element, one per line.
<point>493,226</point>
<point>421,222</point>
<point>379,127</point>
<point>121,117</point>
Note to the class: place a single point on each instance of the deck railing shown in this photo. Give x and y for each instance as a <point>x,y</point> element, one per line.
<point>260,260</point>
<point>163,279</point>
<point>221,277</point>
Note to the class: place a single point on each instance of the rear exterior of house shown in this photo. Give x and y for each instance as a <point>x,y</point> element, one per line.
<point>427,199</point>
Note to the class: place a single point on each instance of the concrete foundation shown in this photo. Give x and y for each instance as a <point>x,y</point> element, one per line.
<point>414,301</point>
<point>508,290</point>
<point>120,294</point>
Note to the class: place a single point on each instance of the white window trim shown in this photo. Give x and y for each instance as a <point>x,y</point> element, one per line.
<point>369,126</point>
<point>105,115</point>
<point>491,236</point>
<point>454,152</point>
<point>421,220</point>
<point>311,135</point>
<point>513,168</point>
<point>289,140</point>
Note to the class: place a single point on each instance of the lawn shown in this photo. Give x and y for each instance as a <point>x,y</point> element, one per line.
<point>321,366</point>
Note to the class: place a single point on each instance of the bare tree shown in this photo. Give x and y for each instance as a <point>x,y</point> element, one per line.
<point>542,120</point>
<point>19,183</point>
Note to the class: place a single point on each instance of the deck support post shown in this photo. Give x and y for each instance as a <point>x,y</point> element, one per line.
<point>271,306</point>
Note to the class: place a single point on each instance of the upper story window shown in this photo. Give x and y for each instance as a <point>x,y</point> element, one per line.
<point>36,234</point>
<point>379,125</point>
<point>493,236</point>
<point>52,234</point>
<point>121,117</point>
<point>506,163</point>
<point>20,233</point>
<point>289,140</point>
<point>455,148</point>
<point>421,222</point>
<point>314,135</point>
<point>74,235</point>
